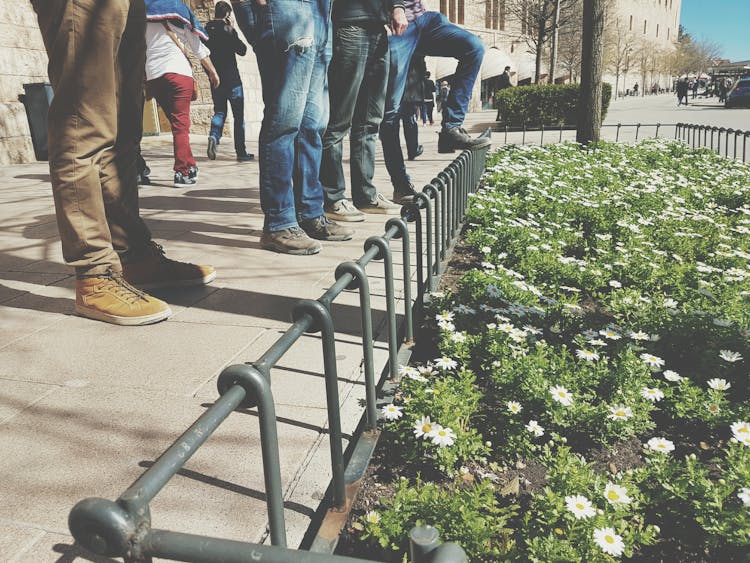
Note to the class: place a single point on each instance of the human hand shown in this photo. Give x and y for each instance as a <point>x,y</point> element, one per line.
<point>261,2</point>
<point>213,78</point>
<point>398,22</point>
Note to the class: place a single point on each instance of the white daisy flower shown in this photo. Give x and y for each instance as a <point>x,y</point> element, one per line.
<point>653,394</point>
<point>610,334</point>
<point>458,337</point>
<point>639,335</point>
<point>588,355</point>
<point>514,407</point>
<point>729,356</point>
<point>610,542</point>
<point>673,376</point>
<point>619,412</point>
<point>580,506</point>
<point>444,316</point>
<point>442,436</point>
<point>741,432</point>
<point>654,362</point>
<point>391,412</point>
<point>534,427</point>
<point>744,495</point>
<point>719,384</point>
<point>561,395</point>
<point>407,371</point>
<point>423,427</point>
<point>616,494</point>
<point>615,284</point>
<point>372,517</point>
<point>660,445</point>
<point>446,363</point>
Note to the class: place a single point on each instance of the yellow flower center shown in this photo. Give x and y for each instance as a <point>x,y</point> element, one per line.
<point>612,495</point>
<point>579,506</point>
<point>620,413</point>
<point>609,539</point>
<point>426,428</point>
<point>743,430</point>
<point>442,432</point>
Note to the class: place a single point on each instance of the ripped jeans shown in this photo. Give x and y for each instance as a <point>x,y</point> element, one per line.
<point>292,42</point>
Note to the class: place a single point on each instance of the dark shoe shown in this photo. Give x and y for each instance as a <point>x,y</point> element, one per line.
<point>193,172</point>
<point>290,241</point>
<point>211,148</point>
<point>420,150</point>
<point>457,138</point>
<point>322,228</point>
<point>381,205</point>
<point>404,194</point>
<point>151,269</point>
<point>182,181</point>
<point>343,210</point>
<point>143,179</point>
<point>247,157</point>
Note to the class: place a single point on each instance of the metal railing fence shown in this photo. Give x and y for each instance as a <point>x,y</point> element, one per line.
<point>708,136</point>
<point>123,528</point>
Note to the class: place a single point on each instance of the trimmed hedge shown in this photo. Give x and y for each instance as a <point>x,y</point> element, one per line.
<point>543,104</point>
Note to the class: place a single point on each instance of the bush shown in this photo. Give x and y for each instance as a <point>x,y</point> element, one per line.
<point>543,104</point>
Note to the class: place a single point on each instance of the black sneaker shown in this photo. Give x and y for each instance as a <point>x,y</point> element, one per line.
<point>404,194</point>
<point>419,151</point>
<point>322,228</point>
<point>193,172</point>
<point>211,148</point>
<point>247,157</point>
<point>182,181</point>
<point>457,138</point>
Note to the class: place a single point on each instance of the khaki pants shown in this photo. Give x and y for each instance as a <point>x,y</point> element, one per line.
<point>96,52</point>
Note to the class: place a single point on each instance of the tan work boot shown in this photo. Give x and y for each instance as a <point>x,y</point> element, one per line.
<point>109,298</point>
<point>153,270</point>
<point>290,241</point>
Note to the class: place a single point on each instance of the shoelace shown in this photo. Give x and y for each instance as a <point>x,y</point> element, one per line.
<point>122,288</point>
<point>347,205</point>
<point>296,232</point>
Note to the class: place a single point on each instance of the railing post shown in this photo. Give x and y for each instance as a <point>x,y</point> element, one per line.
<point>523,138</point>
<point>402,230</point>
<point>656,135</point>
<point>541,140</point>
<point>431,192</point>
<point>385,254</point>
<point>617,133</point>
<point>444,188</point>
<point>637,129</point>
<point>744,146</point>
<point>361,281</point>
<point>421,201</point>
<point>323,322</point>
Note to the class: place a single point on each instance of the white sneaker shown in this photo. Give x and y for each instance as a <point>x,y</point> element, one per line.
<point>343,210</point>
<point>381,205</point>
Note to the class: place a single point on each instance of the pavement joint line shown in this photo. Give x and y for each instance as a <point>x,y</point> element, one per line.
<point>53,322</point>
<point>28,547</point>
<point>31,404</point>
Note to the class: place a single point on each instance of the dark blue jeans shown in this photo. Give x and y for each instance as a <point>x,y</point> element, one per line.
<point>357,80</point>
<point>433,35</point>
<point>234,96</point>
<point>291,39</point>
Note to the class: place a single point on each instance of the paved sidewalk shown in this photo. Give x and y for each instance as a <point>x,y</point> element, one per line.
<point>86,406</point>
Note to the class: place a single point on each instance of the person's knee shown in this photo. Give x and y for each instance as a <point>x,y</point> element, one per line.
<point>475,47</point>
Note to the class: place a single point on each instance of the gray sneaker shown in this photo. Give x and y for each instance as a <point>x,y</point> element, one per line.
<point>322,228</point>
<point>381,205</point>
<point>450,140</point>
<point>290,241</point>
<point>343,210</point>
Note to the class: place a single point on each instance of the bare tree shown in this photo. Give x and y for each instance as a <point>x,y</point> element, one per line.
<point>590,98</point>
<point>538,21</point>
<point>570,44</point>
<point>620,46</point>
<point>692,55</point>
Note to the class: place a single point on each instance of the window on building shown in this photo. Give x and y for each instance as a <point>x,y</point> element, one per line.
<point>460,15</point>
<point>501,16</point>
<point>645,26</point>
<point>667,34</point>
<point>657,30</point>
<point>444,7</point>
<point>631,21</point>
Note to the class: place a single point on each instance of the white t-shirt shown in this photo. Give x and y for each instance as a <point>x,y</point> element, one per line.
<point>163,55</point>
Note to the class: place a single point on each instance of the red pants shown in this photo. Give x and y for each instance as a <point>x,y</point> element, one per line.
<point>173,92</point>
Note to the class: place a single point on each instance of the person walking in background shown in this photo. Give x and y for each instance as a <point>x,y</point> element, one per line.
<point>635,89</point>
<point>411,105</point>
<point>682,91</point>
<point>504,81</point>
<point>96,53</point>
<point>224,44</point>
<point>443,93</point>
<point>292,42</point>
<point>169,75</point>
<point>696,85</point>
<point>428,106</point>
<point>357,77</point>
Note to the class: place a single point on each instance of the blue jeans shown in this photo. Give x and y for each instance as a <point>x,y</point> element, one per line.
<point>292,42</point>
<point>235,97</point>
<point>433,35</point>
<point>357,79</point>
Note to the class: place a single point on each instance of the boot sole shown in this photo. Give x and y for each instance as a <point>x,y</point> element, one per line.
<point>176,283</point>
<point>380,210</point>
<point>211,148</point>
<point>294,251</point>
<point>98,315</point>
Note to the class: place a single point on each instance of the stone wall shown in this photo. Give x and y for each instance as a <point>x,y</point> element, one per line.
<point>22,60</point>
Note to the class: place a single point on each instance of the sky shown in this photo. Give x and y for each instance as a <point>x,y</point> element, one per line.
<point>726,22</point>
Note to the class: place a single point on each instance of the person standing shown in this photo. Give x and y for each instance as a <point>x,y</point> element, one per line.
<point>428,106</point>
<point>169,75</point>
<point>411,104</point>
<point>224,44</point>
<point>96,62</point>
<point>504,81</point>
<point>292,42</point>
<point>682,91</point>
<point>357,78</point>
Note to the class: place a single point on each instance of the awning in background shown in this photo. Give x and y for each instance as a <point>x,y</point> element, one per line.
<point>494,63</point>
<point>441,67</point>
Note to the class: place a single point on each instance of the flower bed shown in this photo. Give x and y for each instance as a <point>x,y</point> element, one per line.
<point>590,401</point>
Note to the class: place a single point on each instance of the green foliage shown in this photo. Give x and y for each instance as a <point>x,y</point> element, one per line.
<point>544,104</point>
<point>469,514</point>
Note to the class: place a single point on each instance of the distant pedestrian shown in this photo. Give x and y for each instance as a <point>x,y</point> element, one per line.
<point>682,91</point>
<point>723,91</point>
<point>443,93</point>
<point>428,105</point>
<point>224,44</point>
<point>505,79</point>
<point>635,89</point>
<point>410,106</point>
<point>696,84</point>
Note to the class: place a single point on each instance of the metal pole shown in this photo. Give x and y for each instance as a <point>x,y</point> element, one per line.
<point>403,233</point>
<point>385,254</point>
<point>430,191</point>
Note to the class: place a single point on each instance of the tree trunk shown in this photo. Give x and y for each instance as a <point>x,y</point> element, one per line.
<point>553,55</point>
<point>590,99</point>
<point>540,38</point>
